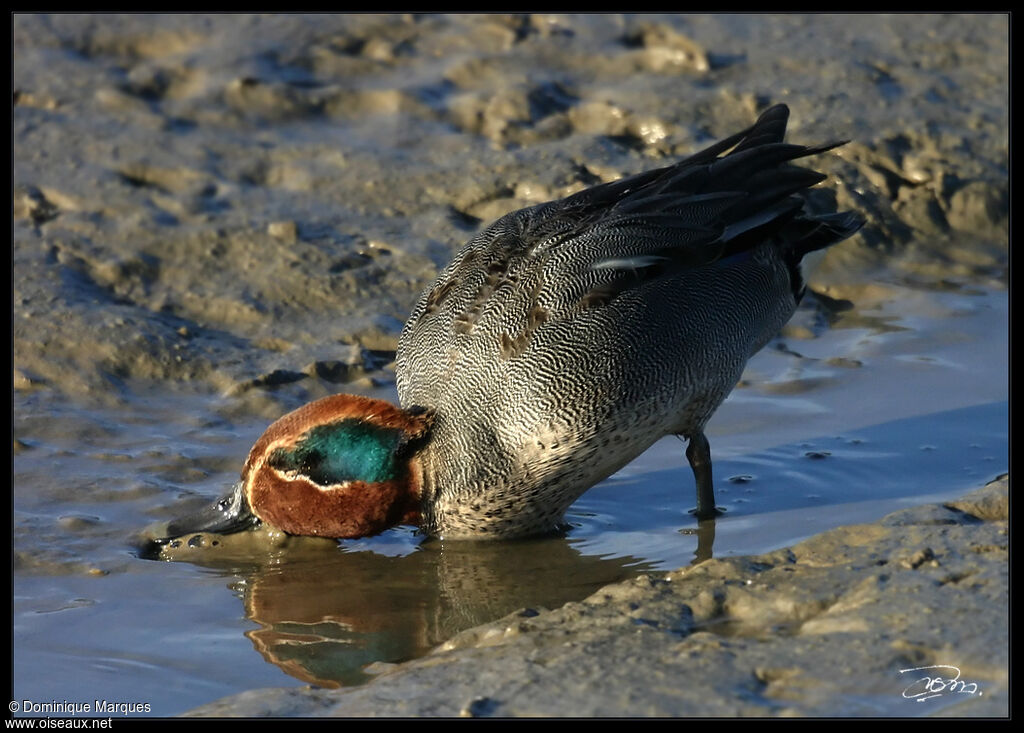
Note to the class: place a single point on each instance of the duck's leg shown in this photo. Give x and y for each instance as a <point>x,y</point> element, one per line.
<point>698,453</point>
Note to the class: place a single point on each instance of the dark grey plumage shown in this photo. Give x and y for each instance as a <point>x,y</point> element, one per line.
<point>566,338</point>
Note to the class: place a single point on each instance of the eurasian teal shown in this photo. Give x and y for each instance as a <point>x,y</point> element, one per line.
<point>558,345</point>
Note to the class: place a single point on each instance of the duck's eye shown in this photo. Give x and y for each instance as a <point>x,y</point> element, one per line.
<point>347,450</point>
<point>306,462</point>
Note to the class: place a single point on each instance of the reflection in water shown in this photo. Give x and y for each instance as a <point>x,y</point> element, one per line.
<point>705,532</point>
<point>324,615</point>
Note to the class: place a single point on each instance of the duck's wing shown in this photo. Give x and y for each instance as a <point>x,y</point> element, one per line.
<point>556,260</point>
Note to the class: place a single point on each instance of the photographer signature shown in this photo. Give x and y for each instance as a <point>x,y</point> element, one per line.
<point>934,685</point>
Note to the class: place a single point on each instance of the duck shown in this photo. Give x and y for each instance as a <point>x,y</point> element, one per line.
<point>558,345</point>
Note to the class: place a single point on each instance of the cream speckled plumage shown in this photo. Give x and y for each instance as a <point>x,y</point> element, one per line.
<point>566,338</point>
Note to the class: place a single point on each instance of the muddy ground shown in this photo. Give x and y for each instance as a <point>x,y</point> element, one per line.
<point>244,207</point>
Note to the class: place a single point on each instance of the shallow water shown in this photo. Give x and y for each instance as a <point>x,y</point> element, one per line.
<point>218,218</point>
<point>177,635</point>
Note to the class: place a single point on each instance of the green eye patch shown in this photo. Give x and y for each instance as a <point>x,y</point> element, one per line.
<point>347,450</point>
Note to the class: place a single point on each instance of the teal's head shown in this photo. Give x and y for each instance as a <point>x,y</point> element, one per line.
<point>344,466</point>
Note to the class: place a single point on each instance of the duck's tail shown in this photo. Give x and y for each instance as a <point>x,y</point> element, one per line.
<point>808,234</point>
<point>718,205</point>
<point>770,210</point>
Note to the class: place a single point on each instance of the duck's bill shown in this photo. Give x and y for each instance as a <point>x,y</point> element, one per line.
<point>227,515</point>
